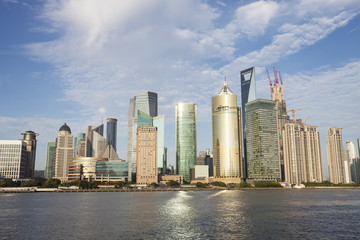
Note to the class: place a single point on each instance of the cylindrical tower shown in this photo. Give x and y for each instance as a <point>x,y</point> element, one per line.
<point>30,140</point>
<point>111,126</point>
<point>226,125</point>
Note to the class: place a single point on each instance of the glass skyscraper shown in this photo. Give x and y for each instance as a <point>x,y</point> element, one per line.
<point>262,140</point>
<point>50,159</point>
<point>147,103</point>
<point>248,94</point>
<point>111,128</point>
<point>77,140</point>
<point>185,138</point>
<point>226,127</point>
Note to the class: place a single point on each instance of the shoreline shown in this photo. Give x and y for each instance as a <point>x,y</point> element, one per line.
<point>56,190</point>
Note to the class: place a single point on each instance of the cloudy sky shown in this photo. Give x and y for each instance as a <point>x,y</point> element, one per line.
<point>81,61</point>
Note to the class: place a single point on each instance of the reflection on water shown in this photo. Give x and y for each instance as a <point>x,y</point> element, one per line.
<point>248,214</point>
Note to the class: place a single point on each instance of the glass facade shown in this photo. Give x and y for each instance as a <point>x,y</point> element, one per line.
<point>77,140</point>
<point>111,129</point>
<point>112,171</point>
<point>50,159</point>
<point>185,139</point>
<point>262,141</point>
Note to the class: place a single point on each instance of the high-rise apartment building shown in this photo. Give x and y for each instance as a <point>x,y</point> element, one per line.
<point>77,140</point>
<point>335,155</point>
<point>277,95</point>
<point>13,159</point>
<point>64,153</point>
<point>185,125</point>
<point>111,129</point>
<point>248,94</point>
<point>30,140</point>
<point>147,103</point>
<point>226,131</point>
<point>146,155</point>
<point>262,140</point>
<point>358,142</point>
<point>302,155</point>
<point>350,147</point>
<point>351,151</point>
<point>50,159</point>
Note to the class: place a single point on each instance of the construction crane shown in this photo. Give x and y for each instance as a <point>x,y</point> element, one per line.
<point>295,110</point>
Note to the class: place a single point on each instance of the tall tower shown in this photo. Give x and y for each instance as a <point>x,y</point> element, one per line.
<point>302,155</point>
<point>77,140</point>
<point>262,142</point>
<point>335,155</point>
<point>111,128</point>
<point>147,103</point>
<point>146,157</point>
<point>277,95</point>
<point>226,131</point>
<point>185,120</point>
<point>64,153</point>
<point>350,147</point>
<point>50,159</point>
<point>248,94</point>
<point>30,140</point>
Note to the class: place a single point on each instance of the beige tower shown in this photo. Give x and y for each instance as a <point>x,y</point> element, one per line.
<point>64,153</point>
<point>335,155</point>
<point>146,155</point>
<point>302,155</point>
<point>226,126</point>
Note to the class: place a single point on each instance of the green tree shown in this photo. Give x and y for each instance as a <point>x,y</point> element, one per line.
<point>29,184</point>
<point>172,183</point>
<point>245,185</point>
<point>219,184</point>
<point>52,183</point>
<point>267,184</point>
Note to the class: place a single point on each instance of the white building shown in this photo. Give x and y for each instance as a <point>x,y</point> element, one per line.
<point>13,158</point>
<point>64,153</point>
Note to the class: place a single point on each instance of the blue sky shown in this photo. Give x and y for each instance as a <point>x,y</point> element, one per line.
<point>81,61</point>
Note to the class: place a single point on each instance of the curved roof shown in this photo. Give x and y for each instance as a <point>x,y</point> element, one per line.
<point>225,90</point>
<point>65,128</point>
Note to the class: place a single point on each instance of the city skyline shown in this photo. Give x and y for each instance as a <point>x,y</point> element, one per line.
<point>71,70</point>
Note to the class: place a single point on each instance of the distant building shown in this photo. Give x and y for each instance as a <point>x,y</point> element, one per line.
<point>88,166</point>
<point>108,171</point>
<point>13,159</point>
<point>177,178</point>
<point>170,170</point>
<point>30,140</point>
<point>147,103</point>
<point>248,94</point>
<point>185,126</point>
<point>95,143</point>
<point>111,130</point>
<point>226,133</point>
<point>39,174</point>
<point>335,154</point>
<point>302,155</point>
<point>262,140</point>
<point>201,171</point>
<point>64,153</point>
<point>75,172</point>
<point>77,140</point>
<point>146,155</point>
<point>50,160</point>
<point>206,158</point>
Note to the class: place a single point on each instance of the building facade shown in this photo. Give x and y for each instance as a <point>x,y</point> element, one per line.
<point>226,133</point>
<point>88,166</point>
<point>95,143</point>
<point>30,140</point>
<point>111,130</point>
<point>302,154</point>
<point>13,159</point>
<point>146,155</point>
<point>262,140</point>
<point>185,125</point>
<point>50,159</point>
<point>335,155</point>
<point>77,140</point>
<point>64,153</point>
<point>109,171</point>
<point>147,103</point>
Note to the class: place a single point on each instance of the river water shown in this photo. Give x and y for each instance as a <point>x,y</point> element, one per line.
<point>240,214</point>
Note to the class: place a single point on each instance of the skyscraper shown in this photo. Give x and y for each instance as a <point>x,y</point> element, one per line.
<point>185,120</point>
<point>262,140</point>
<point>30,140</point>
<point>147,103</point>
<point>77,140</point>
<point>277,95</point>
<point>111,128</point>
<point>64,153</point>
<point>350,147</point>
<point>248,94</point>
<point>358,142</point>
<point>226,133</point>
<point>13,159</point>
<point>302,155</point>
<point>146,157</point>
<point>95,143</point>
<point>335,155</point>
<point>50,159</point>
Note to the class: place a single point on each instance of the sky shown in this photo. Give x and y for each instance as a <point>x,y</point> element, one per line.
<point>78,62</point>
